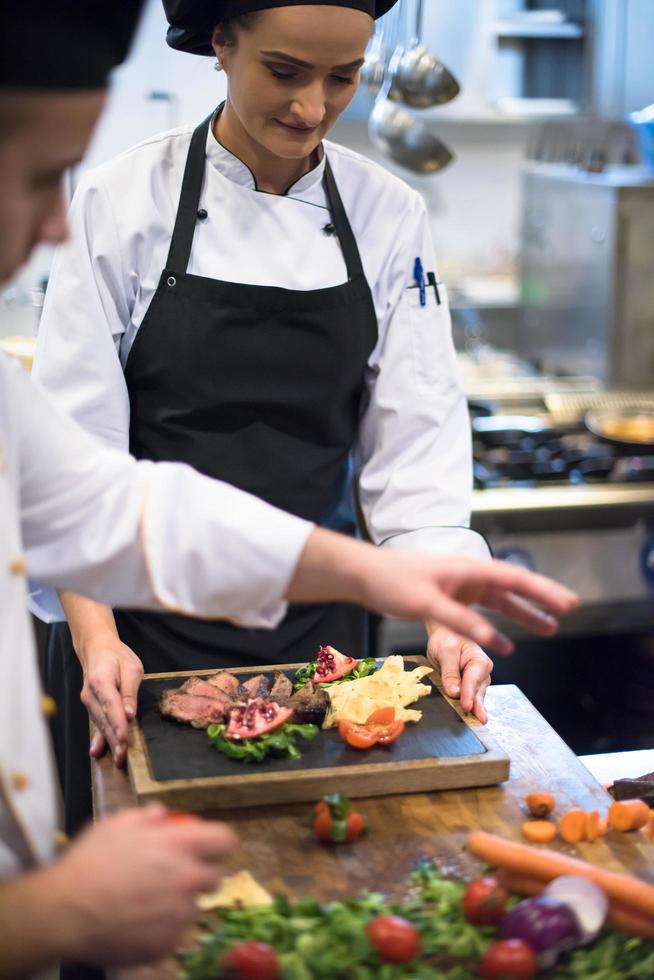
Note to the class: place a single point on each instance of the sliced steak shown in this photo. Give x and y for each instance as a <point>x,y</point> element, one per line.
<point>202,688</point>
<point>227,683</point>
<point>257,687</point>
<point>192,709</point>
<point>282,688</point>
<point>309,704</point>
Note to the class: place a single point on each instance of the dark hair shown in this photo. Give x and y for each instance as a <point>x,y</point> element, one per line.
<point>240,22</point>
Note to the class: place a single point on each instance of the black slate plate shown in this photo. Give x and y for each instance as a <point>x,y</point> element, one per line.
<point>178,751</point>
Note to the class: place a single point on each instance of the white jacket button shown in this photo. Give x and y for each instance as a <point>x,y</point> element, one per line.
<point>17,567</point>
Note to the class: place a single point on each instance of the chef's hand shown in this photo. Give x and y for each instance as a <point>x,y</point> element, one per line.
<point>128,883</point>
<point>412,585</point>
<point>464,667</point>
<point>112,675</point>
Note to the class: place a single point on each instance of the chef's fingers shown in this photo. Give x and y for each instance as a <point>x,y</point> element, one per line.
<point>506,577</point>
<point>520,611</point>
<point>444,650</point>
<point>98,746</point>
<point>468,622</point>
<point>105,736</point>
<point>131,675</point>
<point>478,708</point>
<point>477,667</point>
<point>209,840</point>
<point>105,706</point>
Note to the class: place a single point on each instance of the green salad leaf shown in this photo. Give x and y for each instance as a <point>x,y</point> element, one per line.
<point>304,674</point>
<point>280,742</point>
<point>316,941</point>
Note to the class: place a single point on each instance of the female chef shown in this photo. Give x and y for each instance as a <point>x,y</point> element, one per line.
<point>243,298</point>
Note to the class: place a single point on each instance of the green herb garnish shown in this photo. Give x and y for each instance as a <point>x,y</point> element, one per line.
<point>316,941</point>
<point>280,742</point>
<point>304,674</point>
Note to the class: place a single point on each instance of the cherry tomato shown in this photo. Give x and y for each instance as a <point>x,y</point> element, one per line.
<point>355,827</point>
<point>322,826</point>
<point>358,736</point>
<point>395,939</point>
<point>382,716</point>
<point>509,959</point>
<point>484,902</point>
<point>389,734</point>
<point>251,961</point>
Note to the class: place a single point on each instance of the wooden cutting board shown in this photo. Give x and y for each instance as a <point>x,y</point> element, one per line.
<point>176,763</point>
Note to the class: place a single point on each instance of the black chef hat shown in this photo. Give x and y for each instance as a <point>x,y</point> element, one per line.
<point>64,44</point>
<point>192,21</point>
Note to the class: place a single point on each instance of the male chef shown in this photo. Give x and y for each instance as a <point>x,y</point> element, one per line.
<point>159,536</point>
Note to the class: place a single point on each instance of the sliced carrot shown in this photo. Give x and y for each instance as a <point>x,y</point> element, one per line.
<point>572,826</point>
<point>592,825</point>
<point>620,917</point>
<point>546,864</point>
<point>540,804</point>
<point>602,826</point>
<point>628,815</point>
<point>539,831</point>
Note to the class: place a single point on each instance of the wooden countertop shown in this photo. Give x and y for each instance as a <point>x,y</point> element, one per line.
<point>277,846</point>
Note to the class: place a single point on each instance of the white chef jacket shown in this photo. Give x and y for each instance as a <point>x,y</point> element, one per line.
<point>412,456</point>
<point>92,520</point>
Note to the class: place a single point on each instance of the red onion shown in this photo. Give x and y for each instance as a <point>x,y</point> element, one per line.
<point>586,899</point>
<point>544,923</point>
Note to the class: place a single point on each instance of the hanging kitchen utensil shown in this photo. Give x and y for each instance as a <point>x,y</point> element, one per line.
<point>404,139</point>
<point>373,70</point>
<point>421,80</point>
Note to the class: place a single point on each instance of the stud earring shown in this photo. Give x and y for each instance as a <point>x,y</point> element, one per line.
<point>218,65</point>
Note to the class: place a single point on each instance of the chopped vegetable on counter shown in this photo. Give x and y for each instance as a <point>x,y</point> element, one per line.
<point>508,959</point>
<point>547,925</point>
<point>628,815</point>
<point>540,805</point>
<point>250,961</point>
<point>335,822</point>
<point>484,902</point>
<point>572,826</point>
<point>539,831</point>
<point>395,939</point>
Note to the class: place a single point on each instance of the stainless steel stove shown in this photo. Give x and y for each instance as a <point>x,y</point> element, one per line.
<point>553,497</point>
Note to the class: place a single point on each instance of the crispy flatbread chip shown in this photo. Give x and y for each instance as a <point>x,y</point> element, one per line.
<point>235,891</point>
<point>390,686</point>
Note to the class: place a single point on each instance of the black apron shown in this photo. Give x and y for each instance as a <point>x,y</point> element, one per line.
<point>261,387</point>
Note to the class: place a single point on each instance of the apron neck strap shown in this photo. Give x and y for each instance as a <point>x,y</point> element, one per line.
<point>189,199</point>
<point>342,225</point>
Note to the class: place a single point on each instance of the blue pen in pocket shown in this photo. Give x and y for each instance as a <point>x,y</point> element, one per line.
<point>419,276</point>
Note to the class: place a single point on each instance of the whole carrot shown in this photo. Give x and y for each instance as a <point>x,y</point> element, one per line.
<point>546,864</point>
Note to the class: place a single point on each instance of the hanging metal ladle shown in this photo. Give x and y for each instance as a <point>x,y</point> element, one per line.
<point>420,79</point>
<point>404,139</point>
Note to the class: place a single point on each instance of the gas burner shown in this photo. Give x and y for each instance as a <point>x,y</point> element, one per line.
<point>527,451</point>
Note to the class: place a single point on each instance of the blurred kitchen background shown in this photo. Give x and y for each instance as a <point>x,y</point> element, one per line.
<point>541,196</point>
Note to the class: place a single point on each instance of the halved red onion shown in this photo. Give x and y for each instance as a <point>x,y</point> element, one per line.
<point>586,899</point>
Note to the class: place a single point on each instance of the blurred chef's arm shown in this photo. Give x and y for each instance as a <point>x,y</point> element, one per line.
<point>139,534</point>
